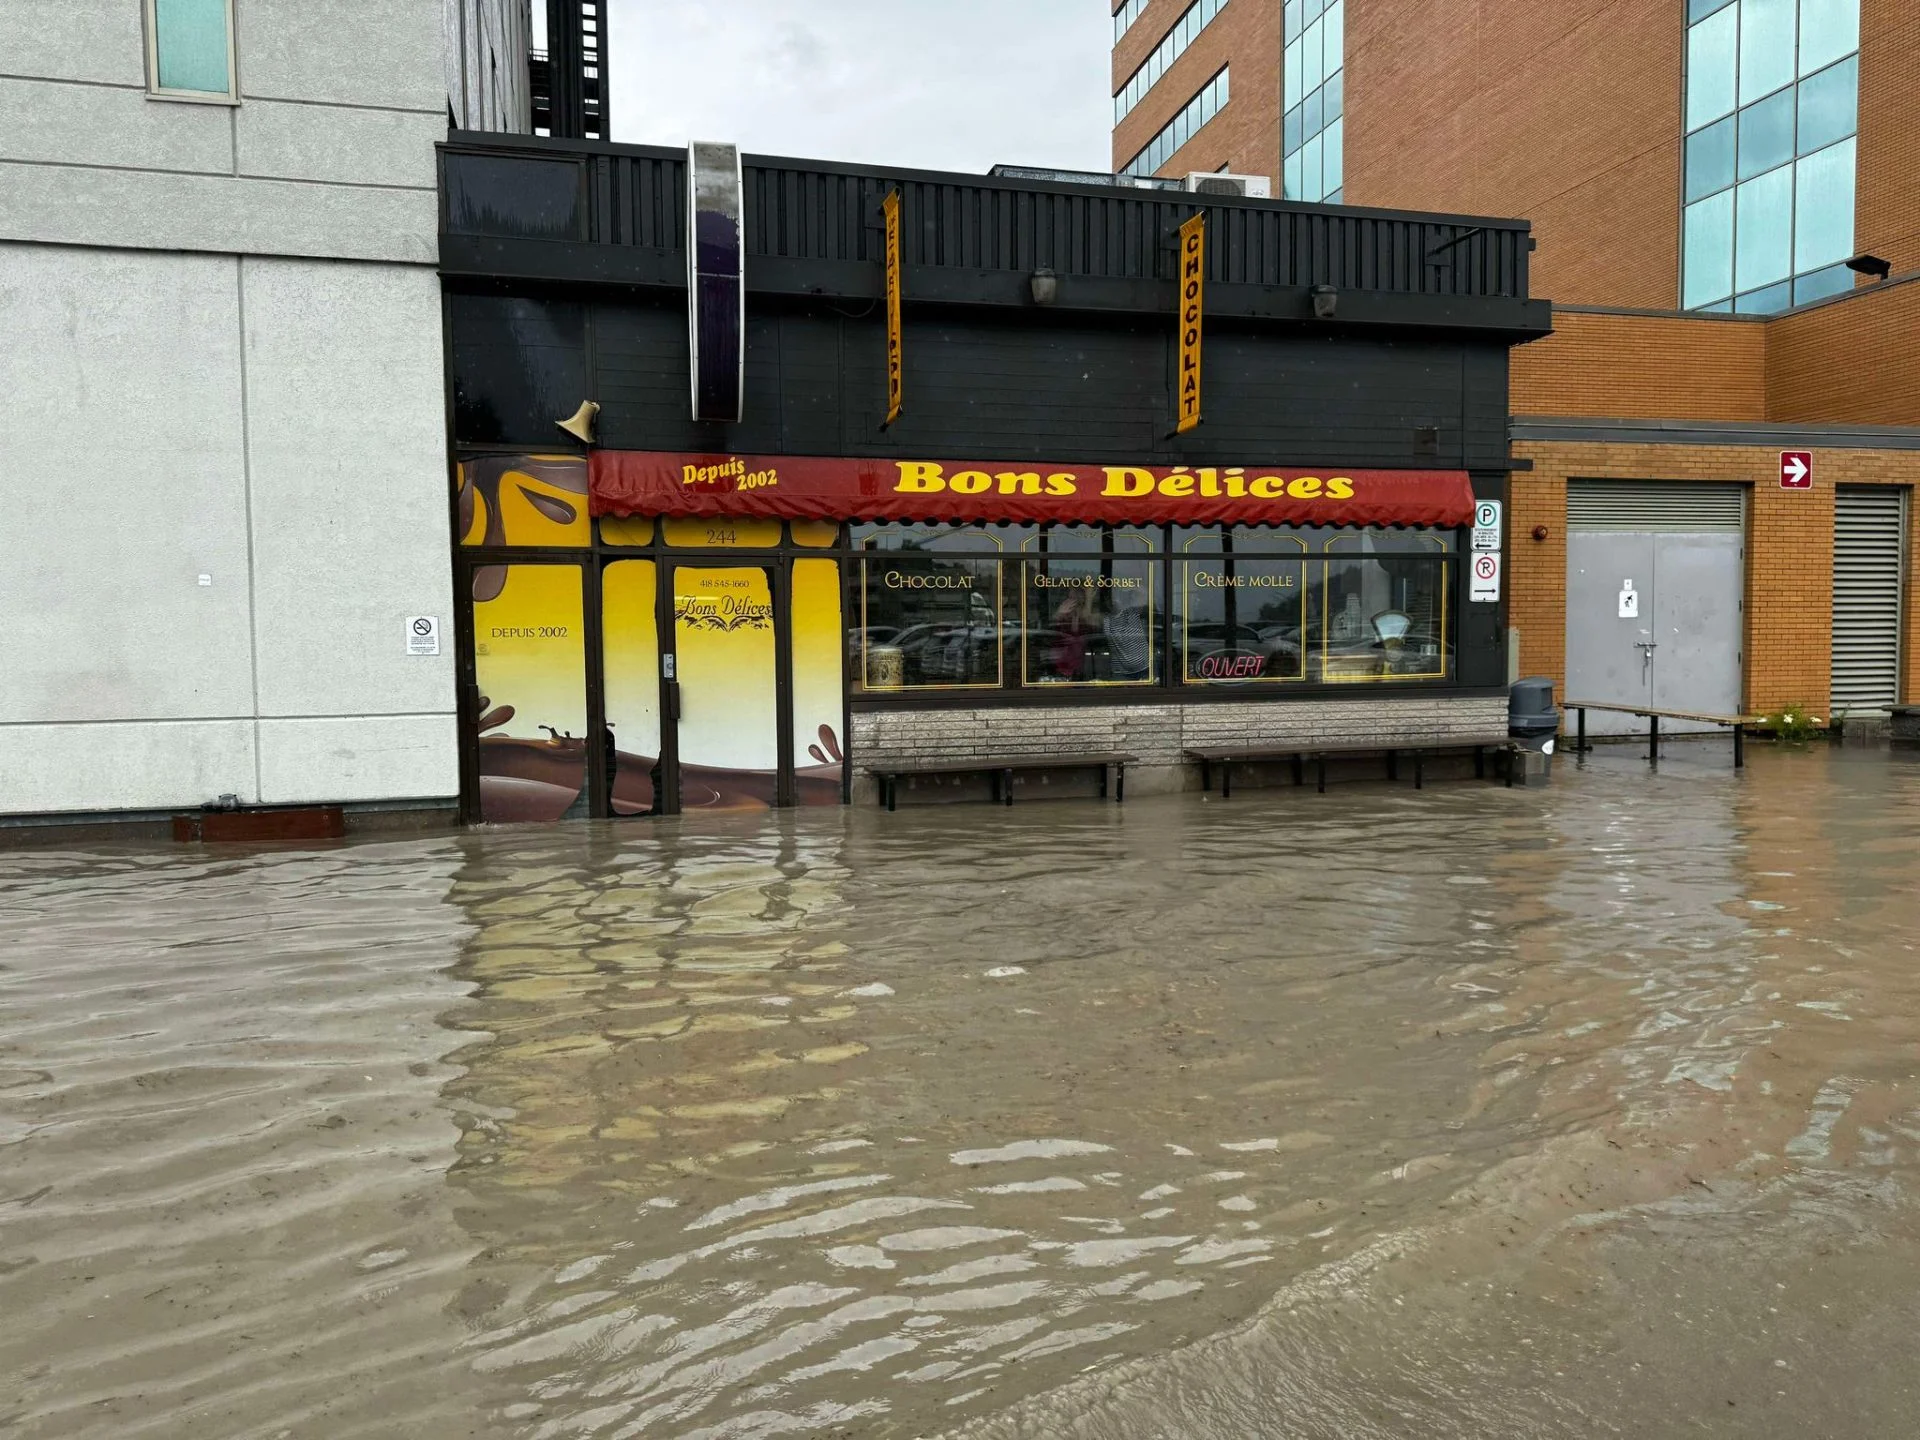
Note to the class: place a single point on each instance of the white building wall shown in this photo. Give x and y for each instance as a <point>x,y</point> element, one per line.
<point>223,470</point>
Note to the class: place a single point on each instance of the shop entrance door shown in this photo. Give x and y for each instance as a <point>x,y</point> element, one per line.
<point>724,689</point>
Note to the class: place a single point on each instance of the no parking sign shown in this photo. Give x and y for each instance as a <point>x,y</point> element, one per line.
<point>1486,577</point>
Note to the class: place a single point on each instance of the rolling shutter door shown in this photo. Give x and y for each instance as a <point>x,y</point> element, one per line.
<point>1670,505</point>
<point>1869,531</point>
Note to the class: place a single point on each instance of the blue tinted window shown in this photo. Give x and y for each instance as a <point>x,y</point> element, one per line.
<point>1829,105</point>
<point>1709,250</point>
<point>1290,131</point>
<point>1335,89</point>
<point>1700,9</point>
<point>1293,19</point>
<point>1332,161</point>
<point>1823,218</point>
<point>1310,170</point>
<point>1828,30</point>
<point>1291,186</point>
<point>1310,121</point>
<point>1710,159</point>
<point>1834,280</point>
<point>1712,60</point>
<point>190,46</point>
<point>1768,29</point>
<point>1763,230</point>
<point>1766,135</point>
<point>1312,55</point>
<point>1764,302</point>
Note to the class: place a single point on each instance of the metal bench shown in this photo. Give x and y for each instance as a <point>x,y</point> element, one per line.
<point>1653,717</point>
<point>1227,757</point>
<point>1001,769</point>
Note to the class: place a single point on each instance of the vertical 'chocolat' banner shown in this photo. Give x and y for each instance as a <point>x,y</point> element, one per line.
<point>716,281</point>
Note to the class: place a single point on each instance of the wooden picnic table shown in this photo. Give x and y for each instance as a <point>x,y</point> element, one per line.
<point>1653,716</point>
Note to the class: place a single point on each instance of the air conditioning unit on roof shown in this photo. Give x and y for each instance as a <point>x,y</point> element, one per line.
<point>1219,182</point>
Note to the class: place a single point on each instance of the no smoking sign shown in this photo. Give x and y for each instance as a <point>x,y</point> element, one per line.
<point>423,635</point>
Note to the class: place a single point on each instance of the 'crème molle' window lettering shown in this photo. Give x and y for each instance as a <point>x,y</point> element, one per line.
<point>1088,608</point>
<point>1243,604</point>
<point>928,613</point>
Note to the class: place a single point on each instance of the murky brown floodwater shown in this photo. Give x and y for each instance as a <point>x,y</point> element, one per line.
<point>1465,1112</point>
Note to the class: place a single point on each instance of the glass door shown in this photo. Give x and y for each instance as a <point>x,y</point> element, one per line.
<point>724,692</point>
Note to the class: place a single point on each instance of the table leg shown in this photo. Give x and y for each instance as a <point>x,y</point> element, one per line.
<point>1581,744</point>
<point>1739,747</point>
<point>1653,739</point>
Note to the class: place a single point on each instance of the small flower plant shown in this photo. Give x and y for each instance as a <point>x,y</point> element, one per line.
<point>1793,724</point>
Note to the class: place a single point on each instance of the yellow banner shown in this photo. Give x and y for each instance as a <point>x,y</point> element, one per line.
<point>890,207</point>
<point>1193,279</point>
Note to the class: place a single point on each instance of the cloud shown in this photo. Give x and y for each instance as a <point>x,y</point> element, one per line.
<point>932,84</point>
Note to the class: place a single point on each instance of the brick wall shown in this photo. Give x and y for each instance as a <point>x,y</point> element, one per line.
<point>1789,562</point>
<point>1566,113</point>
<point>1857,361</point>
<point>1887,200</point>
<point>1644,367</point>
<point>1245,136</point>
<point>1159,734</point>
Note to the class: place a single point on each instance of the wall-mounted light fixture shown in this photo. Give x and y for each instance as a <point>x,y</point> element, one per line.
<point>1870,265</point>
<point>1540,532</point>
<point>1326,300</point>
<point>1046,286</point>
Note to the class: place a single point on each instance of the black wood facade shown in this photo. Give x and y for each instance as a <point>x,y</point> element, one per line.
<point>564,269</point>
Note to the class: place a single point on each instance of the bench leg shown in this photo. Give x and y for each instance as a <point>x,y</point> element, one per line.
<point>888,785</point>
<point>1299,772</point>
<point>1322,760</point>
<point>1206,777</point>
<point>1513,759</point>
<point>1120,784</point>
<point>1393,764</point>
<point>1739,747</point>
<point>1104,772</point>
<point>1006,784</point>
<point>1479,763</point>
<point>1226,779</point>
<point>1419,770</point>
<point>1653,739</point>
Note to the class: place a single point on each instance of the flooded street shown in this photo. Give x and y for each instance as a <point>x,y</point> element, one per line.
<point>1460,1112</point>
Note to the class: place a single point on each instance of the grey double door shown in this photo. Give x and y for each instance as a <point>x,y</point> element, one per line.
<point>1655,576</point>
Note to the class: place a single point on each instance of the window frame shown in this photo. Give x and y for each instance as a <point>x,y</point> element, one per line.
<point>150,19</point>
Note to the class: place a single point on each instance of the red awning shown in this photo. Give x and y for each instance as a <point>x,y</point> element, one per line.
<point>805,487</point>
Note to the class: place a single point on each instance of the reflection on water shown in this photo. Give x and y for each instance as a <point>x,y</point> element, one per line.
<point>1033,1121</point>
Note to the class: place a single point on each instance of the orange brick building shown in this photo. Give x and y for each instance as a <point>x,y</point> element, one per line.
<point>1695,171</point>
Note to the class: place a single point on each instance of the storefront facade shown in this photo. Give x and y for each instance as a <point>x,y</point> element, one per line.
<point>692,614</point>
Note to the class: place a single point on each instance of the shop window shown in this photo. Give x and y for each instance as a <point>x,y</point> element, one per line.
<point>630,630</point>
<point>529,661</point>
<point>928,612</point>
<point>1087,612</point>
<point>1381,606</point>
<point>190,50</point>
<point>1242,605</point>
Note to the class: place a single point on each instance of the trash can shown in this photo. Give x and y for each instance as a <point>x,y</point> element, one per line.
<point>1531,717</point>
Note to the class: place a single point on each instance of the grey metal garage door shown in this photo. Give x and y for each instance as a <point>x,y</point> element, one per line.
<point>1869,573</point>
<point>1680,548</point>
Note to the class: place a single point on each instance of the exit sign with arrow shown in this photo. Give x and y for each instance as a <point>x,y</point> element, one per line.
<point>1796,469</point>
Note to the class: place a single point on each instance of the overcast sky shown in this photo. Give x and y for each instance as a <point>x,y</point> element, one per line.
<point>934,84</point>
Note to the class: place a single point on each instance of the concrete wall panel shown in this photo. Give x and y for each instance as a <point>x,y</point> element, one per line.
<point>102,42</point>
<point>107,125</point>
<point>122,483</point>
<point>400,757</point>
<point>296,50</point>
<point>350,487</point>
<point>51,769</point>
<point>339,145</point>
<point>151,210</point>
